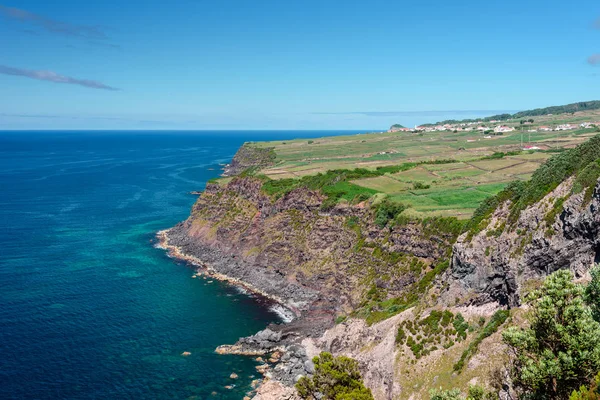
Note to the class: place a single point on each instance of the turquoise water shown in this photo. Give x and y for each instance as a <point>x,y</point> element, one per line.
<point>89,308</point>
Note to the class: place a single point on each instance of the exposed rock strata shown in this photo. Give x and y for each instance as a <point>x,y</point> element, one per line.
<point>314,263</point>
<point>500,267</point>
<point>248,156</point>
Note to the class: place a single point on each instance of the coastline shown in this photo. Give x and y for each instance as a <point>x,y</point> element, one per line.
<point>177,253</point>
<point>277,347</point>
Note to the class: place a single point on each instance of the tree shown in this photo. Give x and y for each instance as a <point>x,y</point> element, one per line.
<point>560,350</point>
<point>592,292</point>
<point>335,378</point>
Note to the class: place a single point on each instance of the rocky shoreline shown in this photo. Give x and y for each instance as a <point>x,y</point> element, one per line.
<point>277,343</point>
<point>177,252</point>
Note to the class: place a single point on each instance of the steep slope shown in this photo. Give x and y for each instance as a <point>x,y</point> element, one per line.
<point>292,250</point>
<point>550,223</point>
<point>411,322</point>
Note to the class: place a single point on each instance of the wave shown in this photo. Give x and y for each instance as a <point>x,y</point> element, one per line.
<point>283,313</point>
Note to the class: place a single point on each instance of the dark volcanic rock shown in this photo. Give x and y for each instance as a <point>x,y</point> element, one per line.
<point>497,268</point>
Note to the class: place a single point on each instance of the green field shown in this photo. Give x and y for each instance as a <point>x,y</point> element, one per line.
<point>474,170</point>
<point>455,188</point>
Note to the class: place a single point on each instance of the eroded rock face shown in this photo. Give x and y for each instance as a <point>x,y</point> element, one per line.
<point>247,157</point>
<point>497,267</point>
<point>290,249</point>
<point>377,364</point>
<point>319,264</point>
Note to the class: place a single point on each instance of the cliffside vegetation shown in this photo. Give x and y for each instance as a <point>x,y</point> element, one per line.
<point>560,349</point>
<point>335,378</point>
<point>582,162</point>
<point>475,392</point>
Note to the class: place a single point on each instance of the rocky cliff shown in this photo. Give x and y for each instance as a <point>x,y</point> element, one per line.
<point>249,156</point>
<point>326,264</point>
<point>292,250</point>
<point>504,261</point>
<point>321,265</point>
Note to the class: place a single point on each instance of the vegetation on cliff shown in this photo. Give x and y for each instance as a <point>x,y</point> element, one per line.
<point>581,162</point>
<point>475,392</point>
<point>591,392</point>
<point>335,378</point>
<point>250,157</point>
<point>560,349</point>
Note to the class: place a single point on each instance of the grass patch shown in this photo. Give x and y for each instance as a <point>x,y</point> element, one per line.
<point>497,319</point>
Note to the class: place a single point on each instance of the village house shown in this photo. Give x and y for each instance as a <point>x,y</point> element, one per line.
<point>565,127</point>
<point>503,128</point>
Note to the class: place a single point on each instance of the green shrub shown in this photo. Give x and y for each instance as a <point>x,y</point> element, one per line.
<point>335,378</point>
<point>386,211</point>
<point>461,326</point>
<point>497,319</point>
<point>452,394</point>
<point>560,349</point>
<point>420,186</point>
<point>400,335</point>
<point>588,393</point>
<point>447,317</point>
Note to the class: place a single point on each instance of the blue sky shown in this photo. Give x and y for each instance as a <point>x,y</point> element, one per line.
<point>194,64</point>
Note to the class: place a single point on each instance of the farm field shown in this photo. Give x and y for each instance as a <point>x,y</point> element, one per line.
<point>297,158</point>
<point>454,170</point>
<point>454,188</point>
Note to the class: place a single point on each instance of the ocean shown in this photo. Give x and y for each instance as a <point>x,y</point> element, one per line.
<point>89,307</point>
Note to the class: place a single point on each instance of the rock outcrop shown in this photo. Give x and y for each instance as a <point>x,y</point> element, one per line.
<point>249,156</point>
<point>317,264</point>
<point>502,262</point>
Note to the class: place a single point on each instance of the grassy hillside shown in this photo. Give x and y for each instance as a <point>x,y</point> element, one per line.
<point>553,110</point>
<point>441,173</point>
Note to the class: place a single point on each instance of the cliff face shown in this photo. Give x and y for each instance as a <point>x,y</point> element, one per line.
<point>290,249</point>
<point>500,263</point>
<point>249,157</point>
<point>322,264</point>
<point>319,264</point>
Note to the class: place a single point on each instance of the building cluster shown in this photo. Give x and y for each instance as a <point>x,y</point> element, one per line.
<point>497,129</point>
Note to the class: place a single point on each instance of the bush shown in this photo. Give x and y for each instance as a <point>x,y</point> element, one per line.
<point>452,394</point>
<point>592,293</point>
<point>335,378</point>
<point>588,393</point>
<point>420,186</point>
<point>387,211</point>
<point>477,392</point>
<point>560,350</point>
